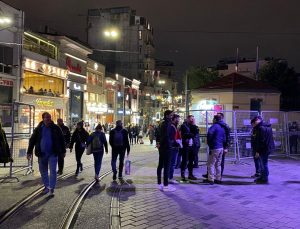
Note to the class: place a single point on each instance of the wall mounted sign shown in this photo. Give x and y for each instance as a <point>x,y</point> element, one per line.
<point>44,103</point>
<point>7,83</point>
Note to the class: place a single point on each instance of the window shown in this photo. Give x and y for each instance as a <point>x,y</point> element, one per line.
<point>43,85</point>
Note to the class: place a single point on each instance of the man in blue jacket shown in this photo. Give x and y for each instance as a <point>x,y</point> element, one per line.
<point>216,140</point>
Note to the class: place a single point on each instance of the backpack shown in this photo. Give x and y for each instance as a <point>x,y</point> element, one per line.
<point>118,138</point>
<point>96,144</point>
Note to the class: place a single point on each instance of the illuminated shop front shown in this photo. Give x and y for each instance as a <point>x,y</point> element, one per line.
<point>76,94</point>
<point>44,87</point>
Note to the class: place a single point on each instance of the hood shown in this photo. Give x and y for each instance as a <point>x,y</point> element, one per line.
<point>118,128</point>
<point>262,123</point>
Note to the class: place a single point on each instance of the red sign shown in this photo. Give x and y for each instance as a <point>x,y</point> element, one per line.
<point>73,68</point>
<point>7,83</point>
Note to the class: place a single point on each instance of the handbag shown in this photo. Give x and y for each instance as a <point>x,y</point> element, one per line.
<point>89,149</point>
<point>127,166</point>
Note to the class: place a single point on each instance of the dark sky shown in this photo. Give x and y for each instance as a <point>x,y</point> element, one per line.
<point>190,32</point>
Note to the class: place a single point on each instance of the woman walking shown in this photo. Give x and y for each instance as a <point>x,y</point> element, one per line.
<point>151,133</point>
<point>79,137</point>
<point>98,140</point>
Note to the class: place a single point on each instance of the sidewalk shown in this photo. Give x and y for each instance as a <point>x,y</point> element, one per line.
<point>237,203</point>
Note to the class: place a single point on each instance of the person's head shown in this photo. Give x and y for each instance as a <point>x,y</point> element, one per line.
<point>168,114</point>
<point>119,123</point>
<point>191,119</point>
<point>217,118</point>
<point>99,128</point>
<point>256,120</point>
<point>175,119</point>
<point>46,118</point>
<point>60,122</point>
<point>79,125</point>
<point>221,114</point>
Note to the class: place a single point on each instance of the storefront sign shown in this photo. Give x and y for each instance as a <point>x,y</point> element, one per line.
<point>7,83</point>
<point>44,103</point>
<point>72,66</point>
<point>75,86</point>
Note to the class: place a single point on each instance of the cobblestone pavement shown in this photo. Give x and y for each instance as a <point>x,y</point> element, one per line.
<point>237,203</point>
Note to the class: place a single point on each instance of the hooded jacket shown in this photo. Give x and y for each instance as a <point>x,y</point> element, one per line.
<point>262,139</point>
<point>227,133</point>
<point>58,146</point>
<point>216,137</point>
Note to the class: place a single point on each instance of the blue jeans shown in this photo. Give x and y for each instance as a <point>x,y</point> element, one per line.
<point>174,152</point>
<point>98,161</point>
<point>257,165</point>
<point>263,163</point>
<point>44,162</point>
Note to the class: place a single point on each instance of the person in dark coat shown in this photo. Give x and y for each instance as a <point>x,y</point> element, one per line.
<point>5,155</point>
<point>118,140</point>
<point>79,137</point>
<point>98,141</point>
<point>262,143</point>
<point>165,140</point>
<point>67,135</point>
<point>49,144</point>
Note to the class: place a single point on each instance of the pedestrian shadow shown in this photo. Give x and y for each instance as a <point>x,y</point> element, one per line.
<point>27,183</point>
<point>292,182</point>
<point>232,182</point>
<point>122,189</point>
<point>236,176</point>
<point>68,181</point>
<point>96,190</point>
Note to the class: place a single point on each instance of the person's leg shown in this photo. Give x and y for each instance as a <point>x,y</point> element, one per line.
<point>219,154</point>
<point>174,154</point>
<point>52,166</point>
<point>184,162</point>
<point>257,166</point>
<point>191,158</point>
<point>43,167</point>
<point>81,151</point>
<point>196,158</point>
<point>78,158</point>
<point>114,156</point>
<point>210,165</point>
<point>121,163</point>
<point>167,163</point>
<point>264,166</point>
<point>179,156</point>
<point>222,163</point>
<point>159,166</point>
<point>60,164</point>
<point>96,156</point>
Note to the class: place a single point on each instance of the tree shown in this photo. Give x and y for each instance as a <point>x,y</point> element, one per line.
<point>200,76</point>
<point>278,74</point>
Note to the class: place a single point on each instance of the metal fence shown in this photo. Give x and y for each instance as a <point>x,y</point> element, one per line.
<point>284,124</point>
<point>18,123</point>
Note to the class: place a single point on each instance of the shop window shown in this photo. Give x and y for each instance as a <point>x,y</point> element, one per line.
<point>43,85</point>
<point>6,94</point>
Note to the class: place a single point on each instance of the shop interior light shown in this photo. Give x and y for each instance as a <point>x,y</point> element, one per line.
<point>75,74</point>
<point>76,58</point>
<point>5,20</point>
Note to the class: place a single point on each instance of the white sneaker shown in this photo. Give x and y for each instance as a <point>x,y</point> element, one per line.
<point>173,181</point>
<point>160,187</point>
<point>169,189</point>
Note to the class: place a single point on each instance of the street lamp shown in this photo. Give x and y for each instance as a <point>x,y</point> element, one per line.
<point>5,21</point>
<point>111,33</point>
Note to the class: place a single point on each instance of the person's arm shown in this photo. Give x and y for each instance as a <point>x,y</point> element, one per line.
<point>89,140</point>
<point>127,145</point>
<point>210,135</point>
<point>31,145</point>
<point>104,142</point>
<point>61,139</point>
<point>68,136</point>
<point>73,140</point>
<point>111,138</point>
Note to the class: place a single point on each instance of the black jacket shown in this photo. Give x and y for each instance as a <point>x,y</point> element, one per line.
<point>262,139</point>
<point>125,138</point>
<point>67,135</point>
<point>165,135</point>
<point>5,155</point>
<point>186,134</point>
<point>58,141</point>
<point>79,138</point>
<point>196,132</point>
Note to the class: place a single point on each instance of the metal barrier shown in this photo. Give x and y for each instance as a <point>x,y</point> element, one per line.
<point>293,120</point>
<point>18,121</point>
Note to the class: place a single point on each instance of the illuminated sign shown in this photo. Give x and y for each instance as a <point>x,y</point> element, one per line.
<point>7,83</point>
<point>73,67</point>
<point>44,103</point>
<point>77,87</point>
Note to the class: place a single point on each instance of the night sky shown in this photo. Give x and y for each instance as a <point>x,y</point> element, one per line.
<point>189,32</point>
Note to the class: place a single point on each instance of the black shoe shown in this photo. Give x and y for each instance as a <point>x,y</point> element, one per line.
<point>182,176</point>
<point>261,181</point>
<point>256,175</point>
<point>81,168</point>
<point>120,177</point>
<point>205,175</point>
<point>196,166</point>
<point>217,182</point>
<point>77,171</point>
<point>59,172</point>
<point>192,177</point>
<point>208,181</point>
<point>114,176</point>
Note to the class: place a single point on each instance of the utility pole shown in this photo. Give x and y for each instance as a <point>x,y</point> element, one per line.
<point>187,102</point>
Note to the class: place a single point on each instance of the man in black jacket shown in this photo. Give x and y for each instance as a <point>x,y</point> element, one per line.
<point>119,142</point>
<point>49,143</point>
<point>164,143</point>
<point>66,132</point>
<point>262,143</point>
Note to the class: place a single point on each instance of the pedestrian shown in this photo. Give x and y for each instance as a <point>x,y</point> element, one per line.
<point>5,155</point>
<point>151,133</point>
<point>293,131</point>
<point>262,143</point>
<point>136,132</point>
<point>98,141</point>
<point>67,135</point>
<point>177,143</point>
<point>130,134</point>
<point>216,139</point>
<point>165,142</point>
<point>118,140</point>
<point>49,144</point>
<point>79,137</point>
<point>196,142</point>
<point>188,153</point>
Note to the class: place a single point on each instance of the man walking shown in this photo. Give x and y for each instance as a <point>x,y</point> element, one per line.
<point>215,139</point>
<point>262,143</point>
<point>118,140</point>
<point>66,132</point>
<point>188,153</point>
<point>49,143</point>
<point>164,144</point>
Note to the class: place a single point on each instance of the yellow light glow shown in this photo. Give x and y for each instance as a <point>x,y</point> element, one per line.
<point>113,33</point>
<point>107,33</point>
